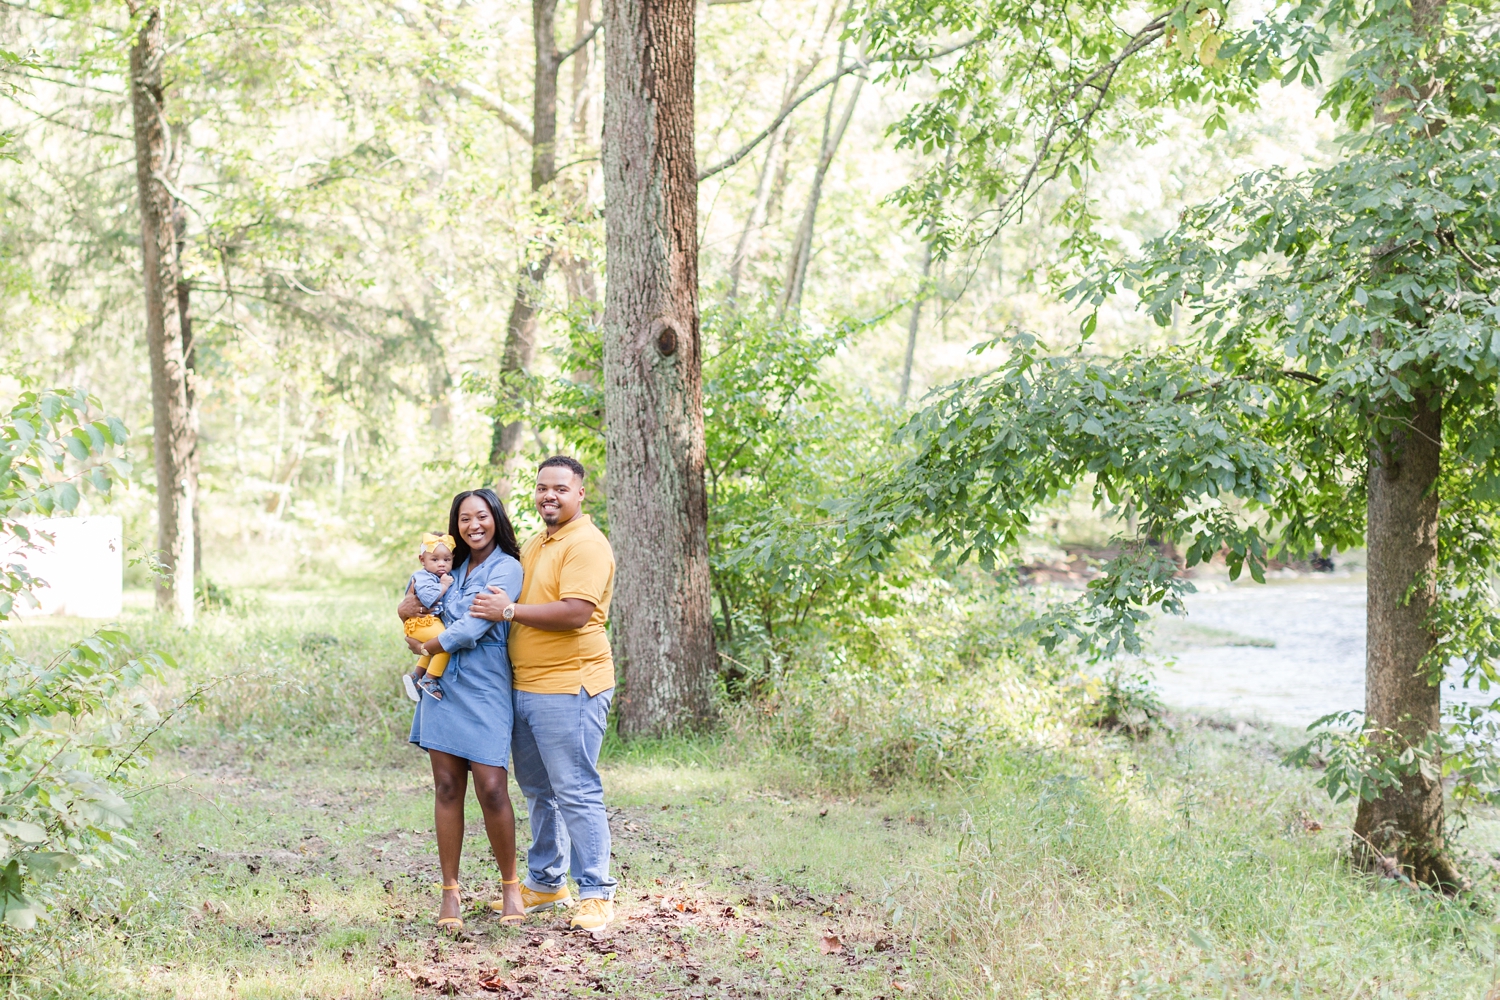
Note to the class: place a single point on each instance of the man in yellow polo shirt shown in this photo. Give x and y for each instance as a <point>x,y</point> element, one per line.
<point>564,676</point>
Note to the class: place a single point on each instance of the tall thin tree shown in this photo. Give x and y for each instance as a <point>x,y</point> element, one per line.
<point>174,439</point>
<point>520,326</point>
<point>833,136</point>
<point>653,380</point>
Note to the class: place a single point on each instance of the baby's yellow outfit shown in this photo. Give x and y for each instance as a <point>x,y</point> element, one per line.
<point>422,628</point>
<point>430,592</point>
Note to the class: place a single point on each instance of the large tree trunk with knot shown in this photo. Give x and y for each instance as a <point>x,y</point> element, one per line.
<point>658,508</point>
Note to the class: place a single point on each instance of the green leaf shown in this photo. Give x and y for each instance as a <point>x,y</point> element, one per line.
<point>23,830</point>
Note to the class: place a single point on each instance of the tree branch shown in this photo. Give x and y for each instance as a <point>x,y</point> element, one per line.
<point>794,103</point>
<point>562,56</point>
<point>507,113</point>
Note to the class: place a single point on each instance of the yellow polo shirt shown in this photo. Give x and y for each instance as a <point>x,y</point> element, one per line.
<point>574,561</point>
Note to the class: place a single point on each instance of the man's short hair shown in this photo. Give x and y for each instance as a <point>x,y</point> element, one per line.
<point>564,462</point>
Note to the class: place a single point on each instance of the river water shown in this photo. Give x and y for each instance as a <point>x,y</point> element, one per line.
<point>1285,652</point>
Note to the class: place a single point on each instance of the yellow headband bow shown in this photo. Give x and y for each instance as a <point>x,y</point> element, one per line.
<point>431,540</point>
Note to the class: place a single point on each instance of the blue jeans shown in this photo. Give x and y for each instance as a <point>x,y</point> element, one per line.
<point>555,748</point>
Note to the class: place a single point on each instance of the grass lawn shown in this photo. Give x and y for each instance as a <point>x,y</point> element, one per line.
<point>285,851</point>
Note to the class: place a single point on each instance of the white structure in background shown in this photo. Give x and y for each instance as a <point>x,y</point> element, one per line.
<point>84,567</point>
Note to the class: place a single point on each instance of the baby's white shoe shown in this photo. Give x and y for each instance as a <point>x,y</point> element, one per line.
<point>411,687</point>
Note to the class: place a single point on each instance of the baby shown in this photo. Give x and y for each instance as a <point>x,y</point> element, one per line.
<point>430,583</point>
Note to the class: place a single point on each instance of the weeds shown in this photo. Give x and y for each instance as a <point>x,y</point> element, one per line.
<point>946,816</point>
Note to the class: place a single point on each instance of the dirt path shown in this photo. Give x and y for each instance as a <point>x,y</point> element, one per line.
<point>693,939</point>
<point>272,878</point>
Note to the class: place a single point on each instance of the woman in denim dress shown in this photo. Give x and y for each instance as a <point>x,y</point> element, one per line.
<point>468,729</point>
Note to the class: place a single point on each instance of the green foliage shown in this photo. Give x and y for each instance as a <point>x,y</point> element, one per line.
<point>1033,92</point>
<point>784,442</point>
<point>1123,700</point>
<point>72,727</point>
<point>49,448</point>
<point>1361,761</point>
<point>1161,433</point>
<point>1326,302</point>
<point>931,687</point>
<point>71,732</point>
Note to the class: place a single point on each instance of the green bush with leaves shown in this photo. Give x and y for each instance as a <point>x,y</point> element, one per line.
<point>786,443</point>
<point>73,727</point>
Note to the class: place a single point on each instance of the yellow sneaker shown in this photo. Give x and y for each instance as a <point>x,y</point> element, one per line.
<point>593,915</point>
<point>537,901</point>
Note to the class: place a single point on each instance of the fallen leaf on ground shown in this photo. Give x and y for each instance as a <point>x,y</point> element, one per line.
<point>751,953</point>
<point>831,944</point>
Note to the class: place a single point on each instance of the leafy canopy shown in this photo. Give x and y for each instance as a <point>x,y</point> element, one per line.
<point>1324,305</point>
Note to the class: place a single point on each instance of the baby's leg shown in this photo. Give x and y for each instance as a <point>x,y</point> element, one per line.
<point>422,633</point>
<point>436,664</point>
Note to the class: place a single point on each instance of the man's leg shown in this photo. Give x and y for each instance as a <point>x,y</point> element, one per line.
<point>568,731</point>
<point>546,859</point>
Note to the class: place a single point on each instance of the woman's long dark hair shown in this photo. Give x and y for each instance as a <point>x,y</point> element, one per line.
<point>505,534</point>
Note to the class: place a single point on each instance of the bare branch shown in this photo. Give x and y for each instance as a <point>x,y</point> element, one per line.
<point>507,113</point>
<point>793,103</point>
<point>562,56</point>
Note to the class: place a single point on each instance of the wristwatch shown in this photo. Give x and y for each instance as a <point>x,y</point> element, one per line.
<point>509,613</point>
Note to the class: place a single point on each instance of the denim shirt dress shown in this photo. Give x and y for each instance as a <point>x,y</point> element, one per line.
<point>474,718</point>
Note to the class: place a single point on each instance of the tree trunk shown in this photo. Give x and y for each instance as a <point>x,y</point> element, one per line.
<point>520,326</point>
<point>750,236</point>
<point>174,441</point>
<point>915,325</point>
<point>658,509</point>
<point>791,293</point>
<point>1404,827</point>
<point>189,361</point>
<point>582,93</point>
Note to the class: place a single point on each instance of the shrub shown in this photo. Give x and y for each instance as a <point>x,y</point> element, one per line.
<point>931,689</point>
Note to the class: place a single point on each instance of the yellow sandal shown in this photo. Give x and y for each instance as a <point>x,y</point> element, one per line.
<point>498,905</point>
<point>455,924</point>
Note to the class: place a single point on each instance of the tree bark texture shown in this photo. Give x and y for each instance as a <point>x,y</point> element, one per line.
<point>189,360</point>
<point>658,509</point>
<point>174,441</point>
<point>1404,824</point>
<point>520,326</point>
<point>1403,829</point>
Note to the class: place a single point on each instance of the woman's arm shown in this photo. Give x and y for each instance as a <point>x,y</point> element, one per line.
<point>466,631</point>
<point>410,606</point>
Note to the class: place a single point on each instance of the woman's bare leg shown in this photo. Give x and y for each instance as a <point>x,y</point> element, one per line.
<point>450,782</point>
<point>493,792</point>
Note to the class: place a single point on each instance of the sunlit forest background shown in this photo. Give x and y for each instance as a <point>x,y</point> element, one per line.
<point>356,220</point>
<point>907,786</point>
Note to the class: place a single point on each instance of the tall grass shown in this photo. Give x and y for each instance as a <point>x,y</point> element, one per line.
<point>314,666</point>
<point>1178,868</point>
<point>1016,851</point>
